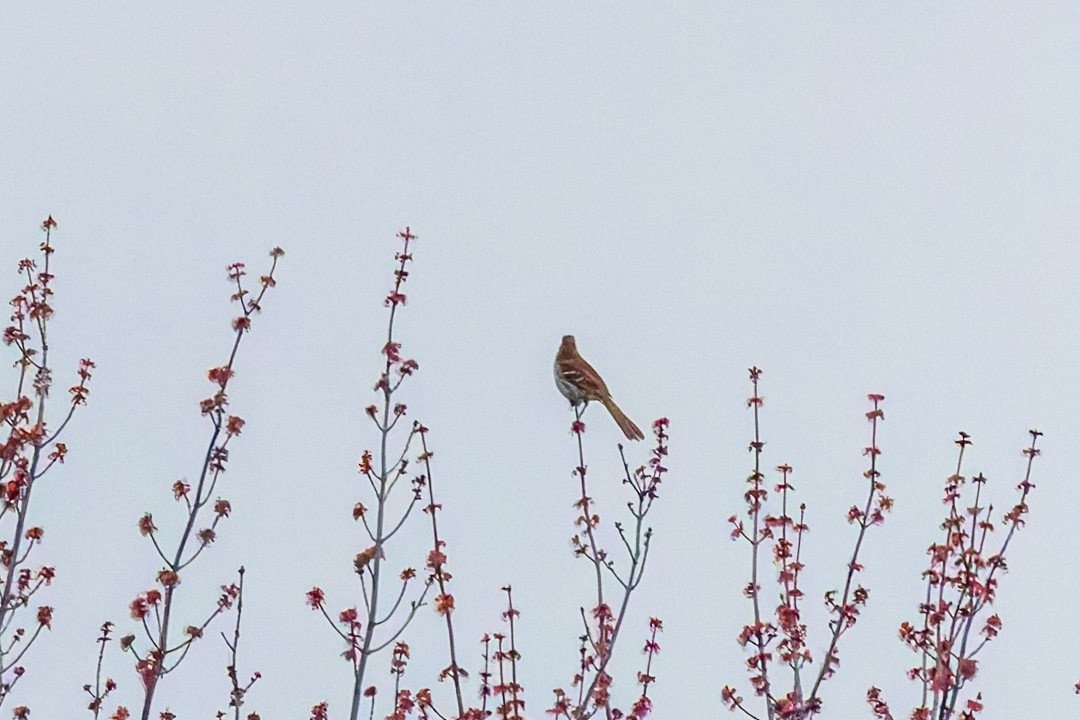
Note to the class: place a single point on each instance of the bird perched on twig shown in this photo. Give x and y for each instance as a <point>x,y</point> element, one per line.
<point>580,383</point>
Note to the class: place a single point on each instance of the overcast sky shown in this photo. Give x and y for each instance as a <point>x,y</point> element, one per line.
<point>871,197</point>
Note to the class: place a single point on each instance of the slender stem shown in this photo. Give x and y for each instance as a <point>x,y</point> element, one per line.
<point>440,577</point>
<point>514,687</point>
<point>841,622</point>
<point>929,588</point>
<point>234,646</point>
<point>98,697</point>
<point>755,545</point>
<point>413,608</point>
<point>586,516</point>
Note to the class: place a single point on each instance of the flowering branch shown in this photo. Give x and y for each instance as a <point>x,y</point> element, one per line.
<point>872,513</point>
<point>444,601</point>
<point>961,582</point>
<point>599,637</point>
<point>152,665</point>
<point>508,689</point>
<point>761,633</point>
<point>643,706</point>
<point>786,535</point>
<point>238,692</point>
<point>28,450</point>
<point>97,692</point>
<point>383,476</point>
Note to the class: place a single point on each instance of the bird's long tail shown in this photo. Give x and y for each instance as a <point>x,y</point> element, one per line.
<point>632,431</point>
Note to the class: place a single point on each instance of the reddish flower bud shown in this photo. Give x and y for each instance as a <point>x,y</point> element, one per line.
<point>146,525</point>
<point>168,578</point>
<point>315,598</point>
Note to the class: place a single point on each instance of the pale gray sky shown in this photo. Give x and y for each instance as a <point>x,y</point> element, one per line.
<point>855,197</point>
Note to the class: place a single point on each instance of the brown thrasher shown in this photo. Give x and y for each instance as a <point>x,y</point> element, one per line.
<point>580,383</point>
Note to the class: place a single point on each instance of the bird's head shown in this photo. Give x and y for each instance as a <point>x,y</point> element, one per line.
<point>568,341</point>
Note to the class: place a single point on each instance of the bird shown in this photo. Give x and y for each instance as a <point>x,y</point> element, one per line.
<point>579,383</point>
